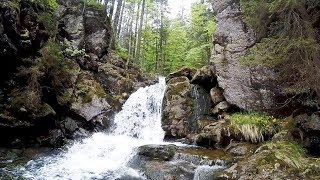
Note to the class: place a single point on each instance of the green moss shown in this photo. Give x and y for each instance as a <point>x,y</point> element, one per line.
<point>253,126</point>
<point>88,88</point>
<point>290,153</point>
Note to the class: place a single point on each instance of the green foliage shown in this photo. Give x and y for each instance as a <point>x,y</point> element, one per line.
<point>93,3</point>
<point>46,5</point>
<point>254,127</point>
<point>184,44</point>
<point>48,19</point>
<point>122,52</point>
<point>51,70</point>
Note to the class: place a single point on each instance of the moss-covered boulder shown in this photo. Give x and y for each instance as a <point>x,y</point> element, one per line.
<point>274,160</point>
<point>89,99</point>
<point>184,104</point>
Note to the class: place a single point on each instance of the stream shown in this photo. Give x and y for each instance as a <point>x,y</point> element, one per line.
<point>107,155</point>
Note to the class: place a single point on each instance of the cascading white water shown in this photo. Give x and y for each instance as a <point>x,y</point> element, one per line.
<point>107,155</point>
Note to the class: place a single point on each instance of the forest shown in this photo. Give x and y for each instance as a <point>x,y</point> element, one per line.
<point>146,34</point>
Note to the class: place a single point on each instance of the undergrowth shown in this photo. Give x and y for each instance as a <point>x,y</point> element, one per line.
<point>253,127</point>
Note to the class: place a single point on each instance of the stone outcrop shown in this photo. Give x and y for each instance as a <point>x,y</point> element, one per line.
<point>91,84</point>
<point>184,104</point>
<point>251,89</point>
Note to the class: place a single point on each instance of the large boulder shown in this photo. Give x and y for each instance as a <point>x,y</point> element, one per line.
<point>251,89</point>
<point>89,99</point>
<point>184,104</point>
<point>205,77</point>
<point>185,71</point>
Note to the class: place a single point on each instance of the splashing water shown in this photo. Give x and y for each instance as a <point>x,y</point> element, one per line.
<point>105,156</point>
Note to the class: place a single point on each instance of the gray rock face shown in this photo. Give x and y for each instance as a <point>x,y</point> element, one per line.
<point>97,34</point>
<point>251,89</point>
<point>84,27</point>
<point>184,104</point>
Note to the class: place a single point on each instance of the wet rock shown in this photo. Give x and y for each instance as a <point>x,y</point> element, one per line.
<point>204,173</point>
<point>267,163</point>
<point>157,152</point>
<point>70,125</point>
<point>216,95</point>
<point>186,71</point>
<point>155,170</point>
<point>310,127</point>
<point>55,138</point>
<point>221,107</point>
<point>183,104</point>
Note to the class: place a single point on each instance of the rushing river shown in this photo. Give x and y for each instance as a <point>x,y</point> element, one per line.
<point>106,155</point>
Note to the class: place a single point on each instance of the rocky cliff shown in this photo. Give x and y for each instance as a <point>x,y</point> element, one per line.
<point>58,75</point>
<point>251,89</point>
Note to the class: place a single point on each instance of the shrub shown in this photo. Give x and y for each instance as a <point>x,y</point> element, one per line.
<point>253,127</point>
<point>48,19</point>
<point>46,5</point>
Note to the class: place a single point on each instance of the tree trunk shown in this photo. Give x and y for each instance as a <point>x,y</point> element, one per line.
<point>136,27</point>
<point>138,46</point>
<point>106,2</point>
<point>111,9</point>
<point>121,19</point>
<point>115,24</point>
<point>117,17</point>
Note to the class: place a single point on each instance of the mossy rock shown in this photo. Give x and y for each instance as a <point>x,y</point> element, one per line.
<point>89,99</point>
<point>275,160</point>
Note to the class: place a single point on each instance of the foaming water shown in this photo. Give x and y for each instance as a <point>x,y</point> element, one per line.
<point>105,156</point>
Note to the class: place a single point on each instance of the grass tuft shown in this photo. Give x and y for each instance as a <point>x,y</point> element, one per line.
<point>291,153</point>
<point>253,127</point>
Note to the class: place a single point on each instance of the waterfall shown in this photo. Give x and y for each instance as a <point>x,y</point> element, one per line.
<point>106,156</point>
